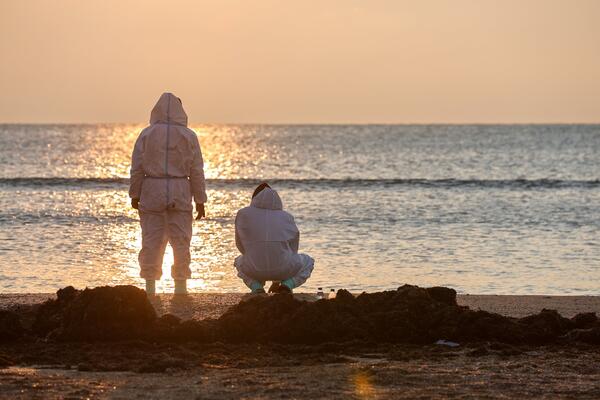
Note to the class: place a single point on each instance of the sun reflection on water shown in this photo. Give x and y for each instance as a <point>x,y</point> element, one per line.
<point>211,247</point>
<point>363,387</point>
<point>60,231</point>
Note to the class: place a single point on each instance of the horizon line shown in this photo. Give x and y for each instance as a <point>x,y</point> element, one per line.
<point>318,123</point>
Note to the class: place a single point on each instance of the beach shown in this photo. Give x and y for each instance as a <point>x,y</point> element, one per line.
<point>431,373</point>
<point>139,369</point>
<point>351,199</point>
<point>213,305</point>
<point>461,206</point>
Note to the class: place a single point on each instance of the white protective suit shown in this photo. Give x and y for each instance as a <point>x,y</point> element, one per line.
<point>268,239</point>
<point>166,171</point>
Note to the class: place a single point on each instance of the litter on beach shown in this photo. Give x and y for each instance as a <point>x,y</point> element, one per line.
<point>448,343</point>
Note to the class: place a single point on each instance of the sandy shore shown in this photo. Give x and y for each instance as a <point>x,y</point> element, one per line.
<point>212,305</point>
<point>220,371</point>
<point>431,374</point>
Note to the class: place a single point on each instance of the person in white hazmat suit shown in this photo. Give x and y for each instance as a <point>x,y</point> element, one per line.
<point>167,171</point>
<point>268,239</point>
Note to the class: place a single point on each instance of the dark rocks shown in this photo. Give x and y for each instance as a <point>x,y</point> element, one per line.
<point>409,314</point>
<point>343,296</point>
<point>590,335</point>
<point>464,325</point>
<point>66,294</point>
<point>10,326</point>
<point>546,326</point>
<point>103,313</point>
<point>5,361</point>
<point>443,294</point>
<point>585,320</point>
<point>49,316</point>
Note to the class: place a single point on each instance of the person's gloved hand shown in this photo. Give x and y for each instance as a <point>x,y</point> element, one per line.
<point>200,211</point>
<point>135,203</point>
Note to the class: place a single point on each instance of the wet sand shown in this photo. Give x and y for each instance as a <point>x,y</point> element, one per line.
<point>484,370</point>
<point>537,374</point>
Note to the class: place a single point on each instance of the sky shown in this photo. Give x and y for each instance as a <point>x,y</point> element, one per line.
<point>305,61</point>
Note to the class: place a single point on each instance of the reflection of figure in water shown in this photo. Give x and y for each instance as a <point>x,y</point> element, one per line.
<point>166,171</point>
<point>268,239</point>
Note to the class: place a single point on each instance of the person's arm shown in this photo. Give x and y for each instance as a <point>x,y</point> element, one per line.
<point>197,177</point>
<point>295,243</point>
<point>136,174</point>
<point>238,239</point>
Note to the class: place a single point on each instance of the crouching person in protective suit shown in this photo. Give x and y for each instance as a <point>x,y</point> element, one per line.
<point>167,171</point>
<point>268,239</point>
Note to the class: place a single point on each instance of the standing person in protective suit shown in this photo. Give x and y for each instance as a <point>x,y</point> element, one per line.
<point>166,172</point>
<point>268,239</point>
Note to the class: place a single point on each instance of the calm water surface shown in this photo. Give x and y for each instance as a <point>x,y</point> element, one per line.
<point>485,209</point>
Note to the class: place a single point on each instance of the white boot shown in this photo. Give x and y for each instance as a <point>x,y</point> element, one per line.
<point>181,286</point>
<point>150,287</point>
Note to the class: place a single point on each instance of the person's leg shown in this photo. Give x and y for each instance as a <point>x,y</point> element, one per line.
<point>275,286</point>
<point>151,286</point>
<point>154,242</point>
<point>307,265</point>
<point>254,285</point>
<point>180,236</point>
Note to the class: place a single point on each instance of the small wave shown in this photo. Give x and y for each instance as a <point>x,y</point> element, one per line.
<point>41,181</point>
<point>291,183</point>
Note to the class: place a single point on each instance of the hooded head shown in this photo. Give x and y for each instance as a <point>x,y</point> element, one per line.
<point>259,188</point>
<point>268,199</point>
<point>168,109</point>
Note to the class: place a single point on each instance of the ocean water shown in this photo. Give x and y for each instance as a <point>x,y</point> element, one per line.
<point>484,209</point>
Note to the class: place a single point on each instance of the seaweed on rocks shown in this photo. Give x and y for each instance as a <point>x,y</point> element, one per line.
<point>102,313</point>
<point>409,314</point>
<point>10,326</point>
<point>545,326</point>
<point>50,314</point>
<point>585,320</point>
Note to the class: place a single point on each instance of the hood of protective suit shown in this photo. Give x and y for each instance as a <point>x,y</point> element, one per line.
<point>166,164</point>
<point>267,199</point>
<point>168,109</point>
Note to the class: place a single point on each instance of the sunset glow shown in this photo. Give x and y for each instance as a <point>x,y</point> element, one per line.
<point>338,61</point>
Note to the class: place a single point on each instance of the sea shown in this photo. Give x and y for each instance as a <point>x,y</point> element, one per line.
<point>485,209</point>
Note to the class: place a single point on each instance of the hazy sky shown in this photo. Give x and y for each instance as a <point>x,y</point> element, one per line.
<point>303,61</point>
